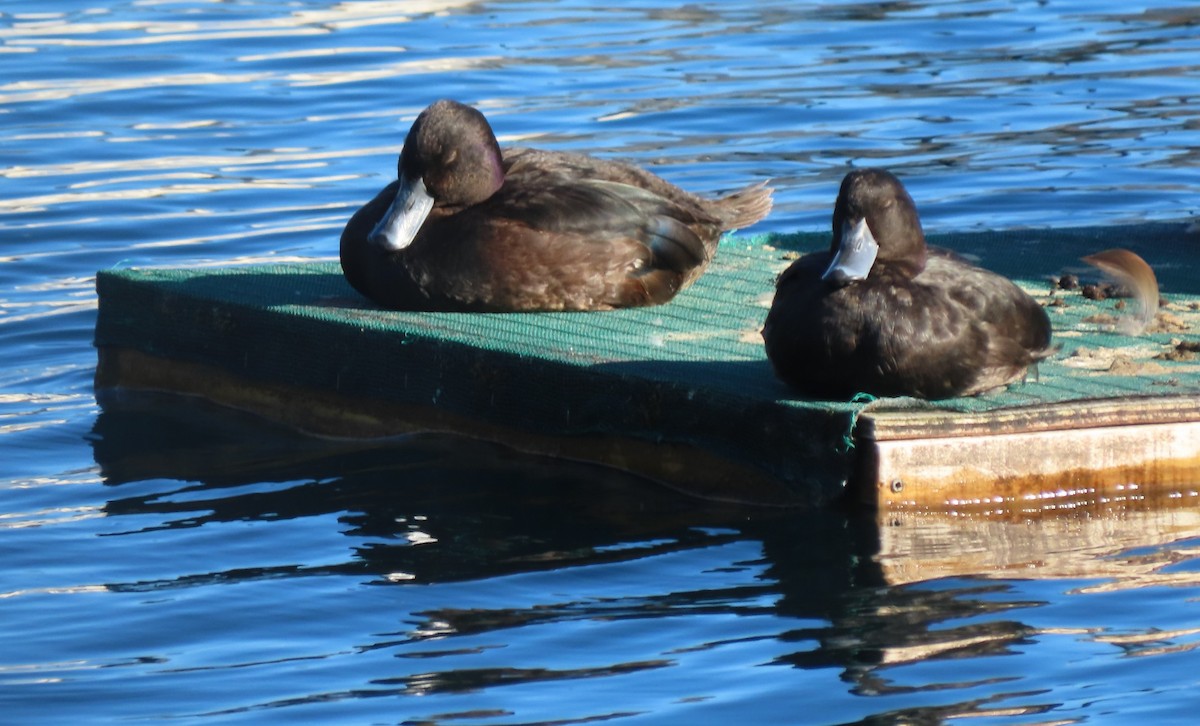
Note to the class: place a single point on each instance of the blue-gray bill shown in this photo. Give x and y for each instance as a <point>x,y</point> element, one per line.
<point>855,255</point>
<point>404,217</point>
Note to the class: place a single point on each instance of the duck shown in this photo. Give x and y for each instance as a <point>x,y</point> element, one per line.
<point>881,313</point>
<point>468,226</point>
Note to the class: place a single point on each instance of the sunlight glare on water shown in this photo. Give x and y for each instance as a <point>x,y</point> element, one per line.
<point>164,561</point>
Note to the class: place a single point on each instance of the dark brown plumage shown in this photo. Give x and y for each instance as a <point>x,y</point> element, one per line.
<point>467,226</point>
<point>899,319</point>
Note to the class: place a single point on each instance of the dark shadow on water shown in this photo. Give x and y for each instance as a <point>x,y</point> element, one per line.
<point>487,512</point>
<point>492,510</point>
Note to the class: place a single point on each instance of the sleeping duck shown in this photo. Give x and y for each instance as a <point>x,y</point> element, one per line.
<point>882,314</point>
<point>470,226</point>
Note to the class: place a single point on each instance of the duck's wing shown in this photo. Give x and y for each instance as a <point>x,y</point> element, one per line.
<point>997,302</point>
<point>555,202</point>
<point>1015,329</point>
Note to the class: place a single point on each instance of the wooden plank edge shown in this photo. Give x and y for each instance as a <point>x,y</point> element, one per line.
<point>876,423</point>
<point>686,468</point>
<point>1031,471</point>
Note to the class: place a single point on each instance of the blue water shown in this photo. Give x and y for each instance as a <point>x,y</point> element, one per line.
<point>162,561</point>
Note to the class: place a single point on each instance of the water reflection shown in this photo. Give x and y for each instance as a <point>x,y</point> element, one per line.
<point>844,590</point>
<point>424,509</point>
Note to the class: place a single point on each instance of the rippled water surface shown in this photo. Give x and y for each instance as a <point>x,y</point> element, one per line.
<point>164,561</point>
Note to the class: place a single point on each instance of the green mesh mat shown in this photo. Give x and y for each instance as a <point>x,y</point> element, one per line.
<point>692,371</point>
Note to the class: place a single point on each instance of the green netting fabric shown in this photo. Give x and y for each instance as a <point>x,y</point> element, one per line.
<point>693,369</point>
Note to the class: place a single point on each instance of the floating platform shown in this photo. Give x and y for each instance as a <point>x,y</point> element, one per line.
<point>683,392</point>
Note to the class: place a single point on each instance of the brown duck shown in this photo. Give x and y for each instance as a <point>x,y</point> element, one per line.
<point>882,314</point>
<point>469,226</point>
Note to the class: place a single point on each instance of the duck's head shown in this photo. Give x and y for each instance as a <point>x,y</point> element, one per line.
<point>874,221</point>
<point>450,159</point>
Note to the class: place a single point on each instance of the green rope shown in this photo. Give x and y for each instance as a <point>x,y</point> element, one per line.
<point>848,438</point>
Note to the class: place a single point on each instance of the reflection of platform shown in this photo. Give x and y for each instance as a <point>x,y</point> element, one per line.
<point>1068,538</point>
<point>681,392</point>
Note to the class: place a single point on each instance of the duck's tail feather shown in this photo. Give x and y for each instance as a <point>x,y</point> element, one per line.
<point>746,206</point>
<point>1129,269</point>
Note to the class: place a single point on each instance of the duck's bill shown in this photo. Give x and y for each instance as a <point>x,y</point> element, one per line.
<point>404,217</point>
<point>855,254</point>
